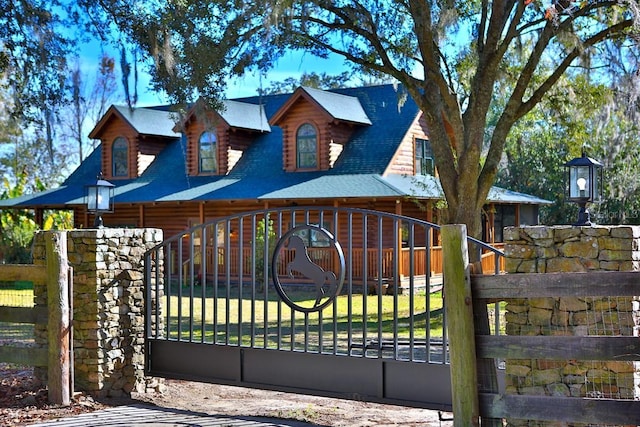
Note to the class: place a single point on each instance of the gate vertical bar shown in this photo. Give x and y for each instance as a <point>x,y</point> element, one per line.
<point>240,277</point>
<point>293,312</point>
<point>380,259</point>
<point>170,266</point>
<point>336,233</point>
<point>428,300</point>
<point>428,233</point>
<point>265,279</point>
<point>180,281</point>
<point>254,284</point>
<point>203,281</point>
<point>320,316</point>
<point>191,281</point>
<point>279,338</point>
<point>412,313</point>
<point>396,283</point>
<point>365,282</point>
<point>227,285</point>
<point>350,282</point>
<point>216,282</point>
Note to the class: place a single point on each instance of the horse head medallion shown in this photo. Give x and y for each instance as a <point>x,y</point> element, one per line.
<point>301,270</point>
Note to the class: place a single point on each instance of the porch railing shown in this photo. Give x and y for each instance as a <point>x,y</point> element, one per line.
<point>323,258</point>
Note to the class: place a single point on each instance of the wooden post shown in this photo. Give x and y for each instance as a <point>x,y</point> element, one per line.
<point>459,312</point>
<point>58,305</point>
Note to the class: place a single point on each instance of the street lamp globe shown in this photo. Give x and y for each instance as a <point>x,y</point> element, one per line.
<point>99,198</point>
<point>584,176</point>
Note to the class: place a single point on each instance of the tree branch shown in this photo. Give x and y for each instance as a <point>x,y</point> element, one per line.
<point>607,33</point>
<point>516,108</point>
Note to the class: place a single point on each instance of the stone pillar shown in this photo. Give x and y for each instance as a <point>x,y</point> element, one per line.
<point>108,315</point>
<point>543,249</point>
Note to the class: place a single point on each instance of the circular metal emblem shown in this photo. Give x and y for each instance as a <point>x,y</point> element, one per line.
<point>311,280</point>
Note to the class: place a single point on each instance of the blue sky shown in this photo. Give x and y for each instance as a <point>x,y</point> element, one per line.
<point>292,64</point>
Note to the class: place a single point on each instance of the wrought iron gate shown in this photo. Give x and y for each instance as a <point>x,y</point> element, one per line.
<point>328,301</point>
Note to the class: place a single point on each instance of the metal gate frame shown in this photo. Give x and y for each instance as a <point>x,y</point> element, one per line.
<point>220,311</point>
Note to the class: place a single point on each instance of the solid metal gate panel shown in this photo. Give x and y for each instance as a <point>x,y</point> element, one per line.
<point>327,301</point>
<point>370,379</point>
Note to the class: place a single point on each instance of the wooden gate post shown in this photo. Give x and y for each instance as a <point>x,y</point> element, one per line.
<point>58,305</point>
<point>459,312</point>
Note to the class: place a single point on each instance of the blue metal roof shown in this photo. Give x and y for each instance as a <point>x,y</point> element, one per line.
<point>427,186</point>
<point>342,107</point>
<point>244,115</point>
<point>259,174</point>
<point>148,121</point>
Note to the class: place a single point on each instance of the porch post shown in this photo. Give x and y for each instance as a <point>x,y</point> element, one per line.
<point>201,212</point>
<point>141,222</point>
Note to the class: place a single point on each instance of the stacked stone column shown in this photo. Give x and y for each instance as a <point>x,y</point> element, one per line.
<point>542,249</point>
<point>108,314</point>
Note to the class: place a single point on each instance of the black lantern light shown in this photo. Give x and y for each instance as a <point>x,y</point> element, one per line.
<point>100,199</point>
<point>584,176</point>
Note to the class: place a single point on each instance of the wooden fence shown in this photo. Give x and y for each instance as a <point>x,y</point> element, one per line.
<point>474,350</point>
<point>24,356</point>
<point>601,348</point>
<point>57,277</point>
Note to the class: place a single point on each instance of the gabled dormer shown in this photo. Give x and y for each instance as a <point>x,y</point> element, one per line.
<point>217,139</point>
<point>131,139</point>
<point>315,125</point>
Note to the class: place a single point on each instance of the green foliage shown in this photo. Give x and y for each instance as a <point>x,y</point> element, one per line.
<point>313,79</point>
<point>36,38</point>
<point>18,227</point>
<point>58,220</point>
<point>535,154</point>
<point>579,113</point>
<point>24,158</point>
<point>615,144</point>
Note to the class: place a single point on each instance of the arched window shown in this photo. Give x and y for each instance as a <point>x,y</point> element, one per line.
<point>120,157</point>
<point>306,146</point>
<point>207,161</point>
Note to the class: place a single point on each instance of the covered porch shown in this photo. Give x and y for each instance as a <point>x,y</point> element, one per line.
<point>368,265</point>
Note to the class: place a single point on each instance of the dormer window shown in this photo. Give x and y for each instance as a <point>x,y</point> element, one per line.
<point>307,147</point>
<point>120,157</point>
<point>424,157</point>
<point>207,159</point>
<point>316,125</point>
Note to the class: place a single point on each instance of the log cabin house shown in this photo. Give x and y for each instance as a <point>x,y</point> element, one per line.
<point>365,147</point>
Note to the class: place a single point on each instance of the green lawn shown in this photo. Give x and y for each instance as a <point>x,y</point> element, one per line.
<point>229,318</point>
<point>22,332</point>
<point>18,294</point>
<point>21,295</point>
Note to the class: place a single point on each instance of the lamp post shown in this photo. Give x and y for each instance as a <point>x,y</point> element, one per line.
<point>99,199</point>
<point>584,176</point>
